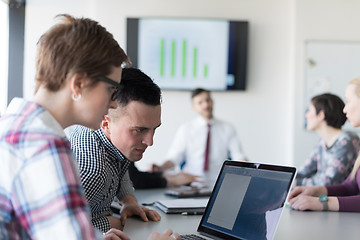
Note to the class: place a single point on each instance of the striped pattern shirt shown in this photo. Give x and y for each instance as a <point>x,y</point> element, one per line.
<point>103,172</point>
<point>40,192</point>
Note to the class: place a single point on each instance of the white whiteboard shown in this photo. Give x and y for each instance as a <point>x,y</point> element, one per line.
<point>329,67</point>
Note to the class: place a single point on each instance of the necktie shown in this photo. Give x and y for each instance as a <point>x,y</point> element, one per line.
<point>207,149</point>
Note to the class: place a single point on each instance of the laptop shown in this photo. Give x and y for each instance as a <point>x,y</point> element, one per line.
<point>247,201</point>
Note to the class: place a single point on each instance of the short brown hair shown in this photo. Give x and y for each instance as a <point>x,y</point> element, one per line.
<point>198,91</point>
<point>76,45</point>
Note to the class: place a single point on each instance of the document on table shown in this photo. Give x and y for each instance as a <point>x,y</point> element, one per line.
<point>188,192</point>
<point>186,206</point>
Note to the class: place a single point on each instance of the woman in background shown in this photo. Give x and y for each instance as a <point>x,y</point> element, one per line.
<point>342,197</point>
<point>333,157</point>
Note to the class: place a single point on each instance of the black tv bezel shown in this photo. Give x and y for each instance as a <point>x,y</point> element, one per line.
<point>237,55</point>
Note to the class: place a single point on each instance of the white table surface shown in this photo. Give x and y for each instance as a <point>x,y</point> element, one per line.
<point>293,224</point>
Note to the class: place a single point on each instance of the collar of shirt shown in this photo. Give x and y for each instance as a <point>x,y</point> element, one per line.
<point>109,147</point>
<point>202,122</point>
<point>32,110</point>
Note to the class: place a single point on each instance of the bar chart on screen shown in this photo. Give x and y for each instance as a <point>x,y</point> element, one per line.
<point>184,53</point>
<point>167,64</point>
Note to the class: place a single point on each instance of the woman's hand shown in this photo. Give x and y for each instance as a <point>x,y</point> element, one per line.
<point>115,234</point>
<point>304,202</point>
<point>315,191</point>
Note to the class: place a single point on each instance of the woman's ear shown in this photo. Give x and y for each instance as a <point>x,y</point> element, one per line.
<point>321,115</point>
<point>77,82</point>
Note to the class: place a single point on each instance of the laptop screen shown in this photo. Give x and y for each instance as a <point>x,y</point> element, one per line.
<point>247,201</point>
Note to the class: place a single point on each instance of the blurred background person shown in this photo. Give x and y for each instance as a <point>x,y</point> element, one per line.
<point>342,197</point>
<point>145,180</point>
<point>333,157</point>
<point>201,145</point>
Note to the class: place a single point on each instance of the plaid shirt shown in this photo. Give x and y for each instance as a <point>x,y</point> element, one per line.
<point>40,193</point>
<point>103,171</point>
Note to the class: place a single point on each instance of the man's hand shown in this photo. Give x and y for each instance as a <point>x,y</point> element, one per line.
<point>130,207</point>
<point>165,166</point>
<point>155,168</point>
<point>180,178</point>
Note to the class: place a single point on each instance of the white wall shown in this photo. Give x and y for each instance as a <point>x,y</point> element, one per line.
<point>4,50</point>
<point>39,17</point>
<point>262,118</point>
<point>268,115</point>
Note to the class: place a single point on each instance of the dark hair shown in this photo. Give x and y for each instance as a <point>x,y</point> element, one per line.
<point>137,86</point>
<point>197,91</point>
<point>332,106</point>
<point>76,45</point>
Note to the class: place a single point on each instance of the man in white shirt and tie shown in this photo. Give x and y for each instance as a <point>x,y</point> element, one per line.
<point>204,135</point>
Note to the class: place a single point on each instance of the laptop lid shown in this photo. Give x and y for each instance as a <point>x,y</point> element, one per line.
<point>247,201</point>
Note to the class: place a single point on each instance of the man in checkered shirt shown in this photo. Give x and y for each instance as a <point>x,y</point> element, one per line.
<point>103,155</point>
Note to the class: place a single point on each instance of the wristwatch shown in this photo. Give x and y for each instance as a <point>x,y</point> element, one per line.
<point>324,200</point>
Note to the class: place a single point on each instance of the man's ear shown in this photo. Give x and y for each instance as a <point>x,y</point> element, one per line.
<point>105,124</point>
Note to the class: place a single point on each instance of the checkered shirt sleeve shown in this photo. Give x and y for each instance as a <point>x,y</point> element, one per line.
<point>103,172</point>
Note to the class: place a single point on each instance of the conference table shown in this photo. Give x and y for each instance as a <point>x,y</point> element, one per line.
<point>293,224</point>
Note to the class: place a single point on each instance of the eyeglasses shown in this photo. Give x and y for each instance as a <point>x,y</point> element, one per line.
<point>116,93</point>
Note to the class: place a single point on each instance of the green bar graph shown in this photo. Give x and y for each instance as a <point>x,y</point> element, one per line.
<point>185,55</point>
<point>195,62</point>
<point>205,71</point>
<point>162,56</point>
<point>183,58</point>
<point>172,58</point>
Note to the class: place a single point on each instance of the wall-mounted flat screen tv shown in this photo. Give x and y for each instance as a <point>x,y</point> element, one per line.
<point>183,54</point>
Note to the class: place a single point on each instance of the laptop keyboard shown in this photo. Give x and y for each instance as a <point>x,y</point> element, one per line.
<point>191,237</point>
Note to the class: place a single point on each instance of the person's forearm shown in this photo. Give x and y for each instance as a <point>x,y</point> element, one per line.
<point>115,222</point>
<point>347,188</point>
<point>101,223</point>
<point>167,165</point>
<point>129,199</point>
<point>333,204</point>
<point>144,180</point>
<point>349,203</point>
<point>319,190</point>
